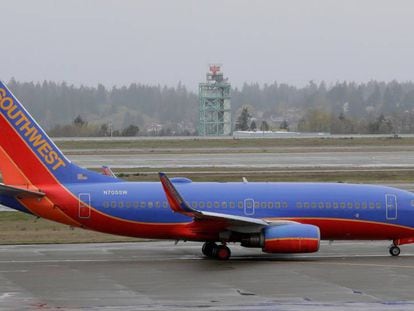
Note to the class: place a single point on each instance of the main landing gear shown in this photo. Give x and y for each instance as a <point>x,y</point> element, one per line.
<point>394,250</point>
<point>212,250</point>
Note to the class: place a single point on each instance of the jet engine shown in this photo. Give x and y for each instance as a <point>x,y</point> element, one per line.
<point>289,238</point>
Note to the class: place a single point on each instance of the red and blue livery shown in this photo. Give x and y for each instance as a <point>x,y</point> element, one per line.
<point>276,217</point>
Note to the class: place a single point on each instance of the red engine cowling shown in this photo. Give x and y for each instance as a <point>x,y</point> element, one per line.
<point>291,238</point>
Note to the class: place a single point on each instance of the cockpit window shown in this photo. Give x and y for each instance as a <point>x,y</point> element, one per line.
<point>412,203</point>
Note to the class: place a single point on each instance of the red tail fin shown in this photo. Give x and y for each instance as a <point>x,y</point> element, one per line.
<point>28,155</point>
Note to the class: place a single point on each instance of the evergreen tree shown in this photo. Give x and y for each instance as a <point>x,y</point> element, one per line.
<point>253,126</point>
<point>131,130</point>
<point>264,126</point>
<point>284,125</point>
<point>242,123</point>
<point>79,122</point>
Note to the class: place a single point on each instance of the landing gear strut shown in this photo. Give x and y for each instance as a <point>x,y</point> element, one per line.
<point>394,250</point>
<point>212,250</point>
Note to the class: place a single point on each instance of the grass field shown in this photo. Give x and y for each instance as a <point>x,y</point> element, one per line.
<point>20,228</point>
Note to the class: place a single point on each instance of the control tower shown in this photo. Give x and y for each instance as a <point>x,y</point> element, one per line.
<point>214,104</point>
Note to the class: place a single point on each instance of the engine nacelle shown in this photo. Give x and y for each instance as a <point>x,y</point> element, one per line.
<point>291,238</point>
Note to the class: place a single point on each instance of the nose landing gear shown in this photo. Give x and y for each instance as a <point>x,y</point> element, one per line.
<point>212,250</point>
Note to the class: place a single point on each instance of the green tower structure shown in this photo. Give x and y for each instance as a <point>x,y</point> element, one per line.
<point>214,104</point>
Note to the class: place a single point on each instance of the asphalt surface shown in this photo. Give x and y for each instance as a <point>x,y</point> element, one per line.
<point>350,159</point>
<point>162,276</point>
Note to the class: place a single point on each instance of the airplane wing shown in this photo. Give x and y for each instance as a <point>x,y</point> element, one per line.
<point>179,205</point>
<point>19,192</point>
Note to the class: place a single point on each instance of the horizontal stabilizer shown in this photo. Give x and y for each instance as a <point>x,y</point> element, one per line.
<point>106,170</point>
<point>19,192</point>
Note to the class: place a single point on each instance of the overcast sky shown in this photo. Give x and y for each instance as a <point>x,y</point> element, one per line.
<point>163,42</point>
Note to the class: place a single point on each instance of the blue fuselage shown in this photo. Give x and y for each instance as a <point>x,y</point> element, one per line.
<point>146,202</point>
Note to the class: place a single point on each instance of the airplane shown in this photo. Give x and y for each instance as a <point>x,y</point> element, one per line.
<point>276,217</point>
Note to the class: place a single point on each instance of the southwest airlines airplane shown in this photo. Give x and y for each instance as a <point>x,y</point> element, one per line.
<point>276,217</point>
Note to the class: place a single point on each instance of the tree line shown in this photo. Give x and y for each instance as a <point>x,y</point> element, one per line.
<point>342,107</point>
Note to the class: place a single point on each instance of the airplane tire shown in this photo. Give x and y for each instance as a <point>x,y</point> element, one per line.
<point>394,250</point>
<point>208,249</point>
<point>223,252</point>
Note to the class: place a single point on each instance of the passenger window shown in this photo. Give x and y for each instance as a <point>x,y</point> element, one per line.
<point>128,204</point>
<point>277,205</point>
<point>194,204</point>
<point>270,204</point>
<point>113,204</point>
<point>299,204</point>
<point>224,204</point>
<point>412,202</point>
<point>143,204</point>
<point>357,205</point>
<point>306,205</point>
<point>240,204</point>
<point>349,204</point>
<point>165,204</point>
<point>150,204</point>
<point>209,204</point>
<point>157,204</point>
<point>216,204</point>
<point>232,205</point>
<point>201,204</point>
<point>263,204</point>
<point>136,204</point>
<point>378,205</point>
<point>328,204</point>
<point>320,204</point>
<point>313,204</point>
<point>120,204</point>
<point>371,205</point>
<point>343,205</point>
<point>364,205</point>
<point>284,205</point>
<point>256,204</point>
<point>106,204</point>
<point>335,205</point>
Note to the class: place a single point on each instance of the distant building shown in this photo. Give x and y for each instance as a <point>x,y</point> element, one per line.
<point>214,105</point>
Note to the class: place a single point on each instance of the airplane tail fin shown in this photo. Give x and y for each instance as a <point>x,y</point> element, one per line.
<point>28,155</point>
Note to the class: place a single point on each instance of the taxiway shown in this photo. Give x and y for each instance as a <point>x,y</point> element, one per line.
<point>164,276</point>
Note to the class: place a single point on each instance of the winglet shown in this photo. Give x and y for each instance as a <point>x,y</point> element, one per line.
<point>177,203</point>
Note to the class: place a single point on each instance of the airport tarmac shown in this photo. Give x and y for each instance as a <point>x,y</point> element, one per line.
<point>366,159</point>
<point>164,276</point>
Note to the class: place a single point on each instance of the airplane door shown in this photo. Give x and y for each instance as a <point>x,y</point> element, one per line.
<point>84,205</point>
<point>391,206</point>
<point>249,207</point>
